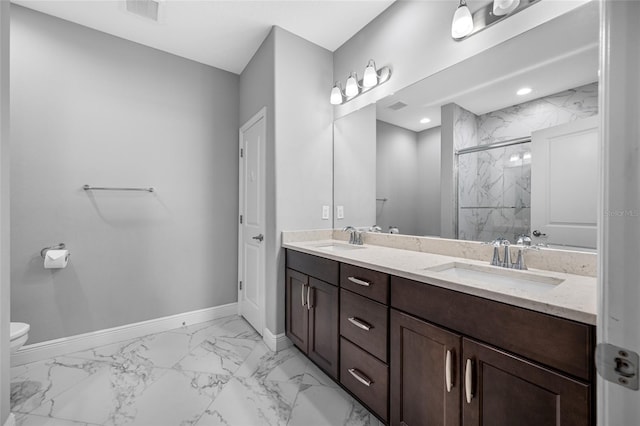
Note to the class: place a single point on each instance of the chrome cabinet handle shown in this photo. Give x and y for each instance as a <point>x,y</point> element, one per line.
<point>360,377</point>
<point>468,381</point>
<point>359,281</point>
<point>309,297</point>
<point>448,370</point>
<point>359,323</point>
<point>302,294</point>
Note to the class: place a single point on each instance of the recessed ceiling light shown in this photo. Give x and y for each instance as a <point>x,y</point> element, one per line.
<point>524,91</point>
<point>425,120</point>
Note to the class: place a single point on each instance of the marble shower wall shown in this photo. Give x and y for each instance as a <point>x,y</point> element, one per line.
<point>494,186</point>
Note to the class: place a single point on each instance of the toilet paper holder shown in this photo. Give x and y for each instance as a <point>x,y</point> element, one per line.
<point>44,251</point>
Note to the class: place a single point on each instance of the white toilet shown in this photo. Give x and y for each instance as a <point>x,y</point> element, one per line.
<point>19,334</point>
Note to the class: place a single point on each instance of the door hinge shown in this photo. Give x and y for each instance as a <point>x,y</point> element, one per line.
<point>241,219</point>
<point>617,365</point>
<point>241,152</point>
<point>240,285</point>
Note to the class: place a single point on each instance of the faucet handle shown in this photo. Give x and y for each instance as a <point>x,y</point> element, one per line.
<point>375,228</point>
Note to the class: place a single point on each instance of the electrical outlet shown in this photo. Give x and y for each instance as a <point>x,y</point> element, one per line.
<point>325,212</point>
<point>340,212</point>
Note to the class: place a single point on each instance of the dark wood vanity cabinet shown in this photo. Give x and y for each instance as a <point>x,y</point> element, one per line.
<point>416,354</point>
<point>441,374</point>
<point>312,308</point>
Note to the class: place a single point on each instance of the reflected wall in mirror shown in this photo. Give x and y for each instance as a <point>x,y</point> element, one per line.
<point>427,179</point>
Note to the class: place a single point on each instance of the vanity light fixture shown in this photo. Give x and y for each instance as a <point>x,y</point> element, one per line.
<point>351,87</point>
<point>462,24</point>
<point>504,7</point>
<point>466,24</point>
<point>336,94</point>
<point>524,91</point>
<point>354,87</point>
<point>425,120</point>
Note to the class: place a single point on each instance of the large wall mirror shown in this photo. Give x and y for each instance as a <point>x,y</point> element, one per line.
<point>502,144</point>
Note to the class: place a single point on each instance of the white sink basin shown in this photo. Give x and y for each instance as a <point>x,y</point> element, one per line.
<point>493,276</point>
<point>338,247</point>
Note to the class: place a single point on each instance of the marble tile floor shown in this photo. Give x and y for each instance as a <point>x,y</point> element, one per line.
<point>214,373</point>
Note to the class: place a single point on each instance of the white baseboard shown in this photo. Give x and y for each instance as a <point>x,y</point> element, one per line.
<point>86,341</point>
<point>11,420</point>
<point>275,342</point>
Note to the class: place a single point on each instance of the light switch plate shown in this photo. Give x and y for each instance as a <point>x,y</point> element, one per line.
<point>325,212</point>
<point>340,212</point>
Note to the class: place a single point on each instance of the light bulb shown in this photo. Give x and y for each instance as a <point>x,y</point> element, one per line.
<point>370,77</point>
<point>504,7</point>
<point>351,87</point>
<point>524,91</point>
<point>462,24</point>
<point>336,94</point>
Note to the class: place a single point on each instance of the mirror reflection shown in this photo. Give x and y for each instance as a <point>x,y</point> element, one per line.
<point>503,144</point>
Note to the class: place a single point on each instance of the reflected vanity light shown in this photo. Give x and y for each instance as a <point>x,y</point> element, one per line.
<point>425,120</point>
<point>462,24</point>
<point>504,7</point>
<point>354,87</point>
<point>524,91</point>
<point>465,23</point>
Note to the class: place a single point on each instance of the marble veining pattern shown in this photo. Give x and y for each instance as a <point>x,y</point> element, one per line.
<point>214,373</point>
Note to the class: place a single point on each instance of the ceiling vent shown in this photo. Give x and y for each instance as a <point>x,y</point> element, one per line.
<point>149,9</point>
<point>398,105</point>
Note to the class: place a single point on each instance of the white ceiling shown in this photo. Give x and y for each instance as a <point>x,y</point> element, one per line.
<point>221,33</point>
<point>548,59</point>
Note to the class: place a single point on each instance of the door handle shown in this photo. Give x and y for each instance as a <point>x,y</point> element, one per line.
<point>537,233</point>
<point>468,381</point>
<point>448,370</point>
<point>259,237</point>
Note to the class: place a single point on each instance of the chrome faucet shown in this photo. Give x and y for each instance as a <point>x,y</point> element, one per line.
<point>355,237</point>
<point>497,243</point>
<point>352,235</point>
<point>506,260</point>
<point>519,263</point>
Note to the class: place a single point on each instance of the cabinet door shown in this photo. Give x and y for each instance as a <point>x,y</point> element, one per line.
<point>425,373</point>
<point>297,326</point>
<point>323,326</point>
<point>505,390</point>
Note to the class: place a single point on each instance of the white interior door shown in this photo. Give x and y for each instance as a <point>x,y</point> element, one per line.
<point>564,184</point>
<point>251,256</point>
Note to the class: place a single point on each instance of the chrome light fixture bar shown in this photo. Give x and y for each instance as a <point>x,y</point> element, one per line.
<point>484,17</point>
<point>354,87</point>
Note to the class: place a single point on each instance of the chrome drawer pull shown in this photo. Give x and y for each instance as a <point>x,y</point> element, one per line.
<point>448,372</point>
<point>302,294</point>
<point>360,377</point>
<point>359,281</point>
<point>359,323</point>
<point>468,381</point>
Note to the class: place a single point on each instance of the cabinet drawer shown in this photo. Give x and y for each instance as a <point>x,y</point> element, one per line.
<point>371,284</point>
<point>365,376</point>
<point>364,322</point>
<point>318,267</point>
<point>559,343</point>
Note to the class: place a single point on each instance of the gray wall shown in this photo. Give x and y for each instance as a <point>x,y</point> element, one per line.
<point>397,178</point>
<point>299,141</point>
<point>354,140</point>
<point>304,152</point>
<point>408,174</point>
<point>429,178</point>
<point>88,108</point>
<point>4,212</point>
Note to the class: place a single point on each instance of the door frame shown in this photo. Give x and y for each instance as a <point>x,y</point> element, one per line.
<point>260,115</point>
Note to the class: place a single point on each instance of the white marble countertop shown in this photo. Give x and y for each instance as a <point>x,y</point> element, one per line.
<point>574,298</point>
